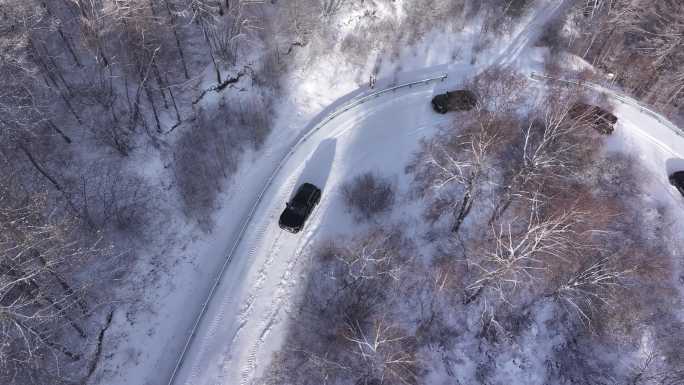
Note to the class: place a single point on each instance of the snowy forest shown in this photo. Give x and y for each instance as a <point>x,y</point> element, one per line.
<point>516,244</point>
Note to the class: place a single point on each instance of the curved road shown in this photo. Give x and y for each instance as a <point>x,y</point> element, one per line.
<point>237,319</point>
<point>243,324</point>
<point>240,320</point>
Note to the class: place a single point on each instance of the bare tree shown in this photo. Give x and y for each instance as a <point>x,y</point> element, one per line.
<point>21,98</point>
<point>331,7</point>
<point>373,257</point>
<point>520,253</point>
<point>387,352</point>
<point>108,197</point>
<point>456,163</point>
<point>498,89</point>
<point>660,28</point>
<point>631,38</point>
<point>40,298</point>
<point>206,14</point>
<point>344,328</point>
<point>173,14</point>
<point>207,154</point>
<point>553,146</point>
<point>592,285</point>
<point>240,26</point>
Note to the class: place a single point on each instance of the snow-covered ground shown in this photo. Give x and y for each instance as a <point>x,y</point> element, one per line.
<point>244,322</point>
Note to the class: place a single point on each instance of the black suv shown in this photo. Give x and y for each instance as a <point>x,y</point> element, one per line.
<point>459,100</point>
<point>594,116</point>
<point>677,180</point>
<point>298,210</point>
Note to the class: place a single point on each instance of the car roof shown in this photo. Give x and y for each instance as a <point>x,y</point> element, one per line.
<point>291,218</point>
<point>304,191</point>
<point>307,188</point>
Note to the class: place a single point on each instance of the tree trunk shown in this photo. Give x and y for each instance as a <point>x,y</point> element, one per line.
<point>60,132</point>
<point>211,54</point>
<point>465,207</point>
<point>161,84</point>
<point>49,177</point>
<point>154,108</point>
<point>177,38</point>
<point>175,106</point>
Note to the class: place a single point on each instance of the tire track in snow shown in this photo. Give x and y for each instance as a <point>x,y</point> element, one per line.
<point>269,320</point>
<point>248,305</point>
<point>225,304</point>
<point>262,276</point>
<point>282,290</point>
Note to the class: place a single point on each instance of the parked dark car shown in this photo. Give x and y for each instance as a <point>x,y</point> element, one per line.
<point>459,100</point>
<point>677,180</point>
<point>298,210</point>
<point>593,116</point>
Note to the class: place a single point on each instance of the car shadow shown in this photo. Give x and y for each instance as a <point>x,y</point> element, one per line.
<point>318,166</point>
<point>673,165</point>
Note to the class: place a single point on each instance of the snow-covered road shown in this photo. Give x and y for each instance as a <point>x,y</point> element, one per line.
<point>242,324</point>
<point>243,319</point>
<point>239,325</point>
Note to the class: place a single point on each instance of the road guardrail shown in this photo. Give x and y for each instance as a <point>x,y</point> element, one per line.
<point>297,142</point>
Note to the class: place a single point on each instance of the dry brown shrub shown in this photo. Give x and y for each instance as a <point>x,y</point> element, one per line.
<point>368,195</point>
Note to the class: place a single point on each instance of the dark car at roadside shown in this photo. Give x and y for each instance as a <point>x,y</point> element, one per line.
<point>298,210</point>
<point>458,100</point>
